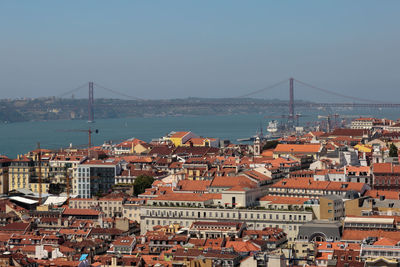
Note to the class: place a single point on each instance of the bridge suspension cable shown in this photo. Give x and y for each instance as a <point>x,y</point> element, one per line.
<point>338,94</point>
<point>116,92</point>
<point>263,89</point>
<point>73,90</point>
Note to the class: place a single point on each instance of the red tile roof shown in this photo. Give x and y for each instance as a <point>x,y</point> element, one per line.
<point>179,134</point>
<point>193,185</point>
<point>198,197</point>
<point>388,194</point>
<point>309,183</point>
<point>359,235</point>
<point>385,168</point>
<point>75,212</point>
<point>231,181</point>
<point>297,148</point>
<point>349,132</point>
<point>257,175</point>
<point>243,246</point>
<point>15,226</point>
<point>385,241</point>
<point>124,241</point>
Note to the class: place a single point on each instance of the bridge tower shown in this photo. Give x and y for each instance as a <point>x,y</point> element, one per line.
<point>90,103</point>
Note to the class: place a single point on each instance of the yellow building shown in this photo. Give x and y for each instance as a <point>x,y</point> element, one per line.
<point>24,174</point>
<point>194,173</point>
<point>20,171</point>
<point>363,148</point>
<point>179,138</point>
<point>34,187</point>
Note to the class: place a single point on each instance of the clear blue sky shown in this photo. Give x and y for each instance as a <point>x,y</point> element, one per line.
<point>216,48</point>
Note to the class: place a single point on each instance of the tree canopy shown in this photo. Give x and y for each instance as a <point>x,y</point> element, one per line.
<point>141,183</point>
<point>393,150</point>
<point>270,144</point>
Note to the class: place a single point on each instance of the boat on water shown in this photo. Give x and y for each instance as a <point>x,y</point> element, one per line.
<point>272,127</point>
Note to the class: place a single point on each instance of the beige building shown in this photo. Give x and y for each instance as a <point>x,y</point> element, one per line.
<point>358,206</point>
<point>256,219</point>
<point>20,172</point>
<point>363,123</point>
<point>131,208</point>
<point>112,207</point>
<point>331,208</point>
<point>62,165</point>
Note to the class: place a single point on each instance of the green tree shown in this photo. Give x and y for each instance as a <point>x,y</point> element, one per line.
<point>270,144</point>
<point>141,183</point>
<point>393,150</point>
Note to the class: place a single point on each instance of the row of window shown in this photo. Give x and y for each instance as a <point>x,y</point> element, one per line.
<point>204,214</point>
<point>388,181</point>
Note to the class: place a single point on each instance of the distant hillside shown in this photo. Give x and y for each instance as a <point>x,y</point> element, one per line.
<point>61,109</point>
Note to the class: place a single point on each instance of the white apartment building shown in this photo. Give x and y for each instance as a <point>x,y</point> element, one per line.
<point>94,176</point>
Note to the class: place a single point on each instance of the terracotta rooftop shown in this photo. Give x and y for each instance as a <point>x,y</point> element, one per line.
<point>385,168</point>
<point>359,235</point>
<point>179,134</point>
<point>388,194</point>
<point>297,148</point>
<point>197,197</point>
<point>231,181</point>
<point>309,183</point>
<point>193,185</point>
<point>76,212</point>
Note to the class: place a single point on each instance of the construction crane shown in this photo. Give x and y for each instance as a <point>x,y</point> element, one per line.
<point>88,131</point>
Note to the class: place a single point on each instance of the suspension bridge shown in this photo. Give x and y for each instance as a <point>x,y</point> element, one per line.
<point>353,101</point>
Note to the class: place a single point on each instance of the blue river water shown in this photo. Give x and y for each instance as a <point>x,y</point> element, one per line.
<point>19,138</point>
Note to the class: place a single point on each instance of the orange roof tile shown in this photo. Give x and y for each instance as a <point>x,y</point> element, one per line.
<point>385,168</point>
<point>179,134</point>
<point>309,183</point>
<point>75,212</point>
<point>231,181</point>
<point>388,194</point>
<point>385,241</point>
<point>193,185</point>
<point>188,197</point>
<point>267,153</point>
<point>242,246</point>
<point>359,235</point>
<point>297,148</point>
